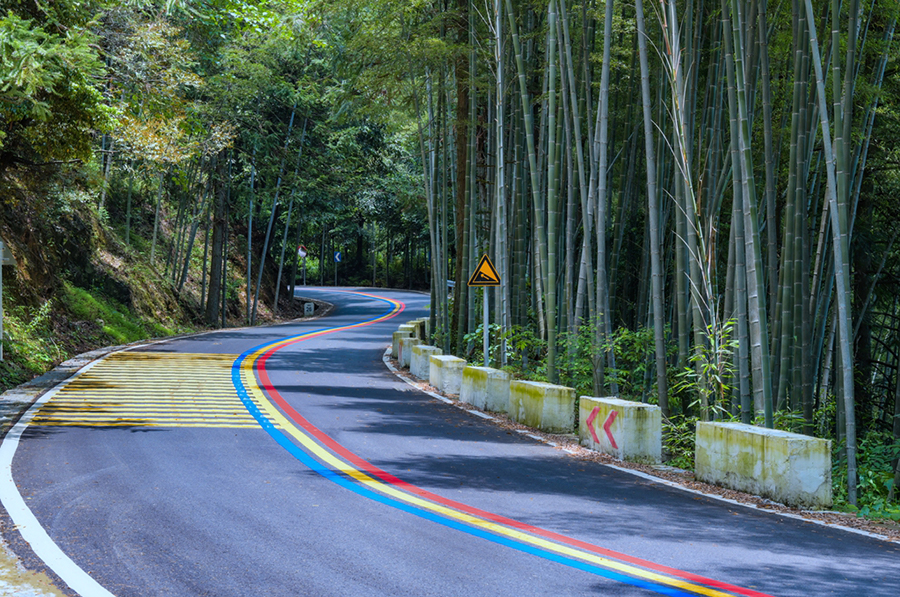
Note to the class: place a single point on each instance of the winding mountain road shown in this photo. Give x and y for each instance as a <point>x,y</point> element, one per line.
<point>287,460</point>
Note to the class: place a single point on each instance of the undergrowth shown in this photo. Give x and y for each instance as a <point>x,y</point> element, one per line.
<point>38,338</point>
<point>117,323</point>
<point>877,451</point>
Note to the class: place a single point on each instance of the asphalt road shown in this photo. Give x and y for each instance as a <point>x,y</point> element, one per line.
<point>288,460</point>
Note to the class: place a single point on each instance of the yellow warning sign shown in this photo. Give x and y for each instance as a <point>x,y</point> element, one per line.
<point>485,274</point>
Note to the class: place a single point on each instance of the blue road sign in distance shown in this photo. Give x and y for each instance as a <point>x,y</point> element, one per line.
<point>337,256</point>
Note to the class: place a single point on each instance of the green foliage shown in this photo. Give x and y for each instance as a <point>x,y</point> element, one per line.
<point>29,339</point>
<point>116,322</point>
<point>37,64</point>
<point>711,371</point>
<point>635,353</point>
<point>49,104</point>
<point>679,438</point>
<point>524,350</point>
<point>475,340</point>
<point>785,420</point>
<point>877,451</point>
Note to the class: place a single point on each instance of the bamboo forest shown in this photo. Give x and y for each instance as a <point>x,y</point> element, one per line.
<point>691,203</point>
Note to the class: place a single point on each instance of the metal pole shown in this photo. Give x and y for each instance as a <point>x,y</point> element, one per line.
<point>487,353</point>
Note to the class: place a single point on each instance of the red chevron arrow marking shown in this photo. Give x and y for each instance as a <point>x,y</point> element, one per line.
<point>590,423</point>
<point>609,421</point>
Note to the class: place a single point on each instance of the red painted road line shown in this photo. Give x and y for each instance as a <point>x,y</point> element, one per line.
<point>326,440</point>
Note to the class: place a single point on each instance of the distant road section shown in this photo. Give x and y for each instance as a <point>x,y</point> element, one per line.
<point>287,460</point>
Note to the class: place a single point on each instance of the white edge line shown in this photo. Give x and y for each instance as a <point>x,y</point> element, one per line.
<point>395,371</point>
<point>745,505</point>
<point>24,519</point>
<point>648,477</point>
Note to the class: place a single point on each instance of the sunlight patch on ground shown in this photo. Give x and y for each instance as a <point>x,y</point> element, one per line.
<point>15,581</point>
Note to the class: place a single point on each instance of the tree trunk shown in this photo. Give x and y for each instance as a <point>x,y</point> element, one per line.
<point>217,261</point>
<point>653,215</point>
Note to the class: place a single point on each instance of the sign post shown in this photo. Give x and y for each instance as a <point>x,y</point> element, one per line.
<point>6,258</point>
<point>337,259</point>
<point>485,276</point>
<point>302,252</point>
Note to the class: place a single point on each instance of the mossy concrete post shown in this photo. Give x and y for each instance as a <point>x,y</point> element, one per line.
<point>419,364</point>
<point>419,326</point>
<point>542,405</point>
<point>395,346</point>
<point>790,468</point>
<point>622,428</point>
<point>446,373</point>
<point>486,388</point>
<point>426,328</point>
<point>404,356</point>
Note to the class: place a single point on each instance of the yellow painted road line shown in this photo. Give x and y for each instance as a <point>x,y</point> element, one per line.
<point>76,404</point>
<point>154,405</point>
<point>331,460</point>
<point>339,465</point>
<point>145,416</point>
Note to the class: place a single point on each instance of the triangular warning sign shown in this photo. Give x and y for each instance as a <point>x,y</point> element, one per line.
<point>485,274</point>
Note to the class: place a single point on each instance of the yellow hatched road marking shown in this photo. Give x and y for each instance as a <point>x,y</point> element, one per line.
<point>151,389</point>
<point>143,412</point>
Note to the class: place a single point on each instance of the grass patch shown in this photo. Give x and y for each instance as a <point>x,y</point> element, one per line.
<point>38,338</point>
<point>115,321</point>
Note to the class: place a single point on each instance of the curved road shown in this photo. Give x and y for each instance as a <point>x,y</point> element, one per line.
<point>287,460</point>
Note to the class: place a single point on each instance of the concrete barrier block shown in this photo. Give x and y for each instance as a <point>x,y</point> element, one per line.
<point>395,347</point>
<point>419,327</point>
<point>790,468</point>
<point>407,327</point>
<point>542,405</point>
<point>426,325</point>
<point>446,373</point>
<point>419,364</point>
<point>404,355</point>
<point>486,388</point>
<point>634,428</point>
